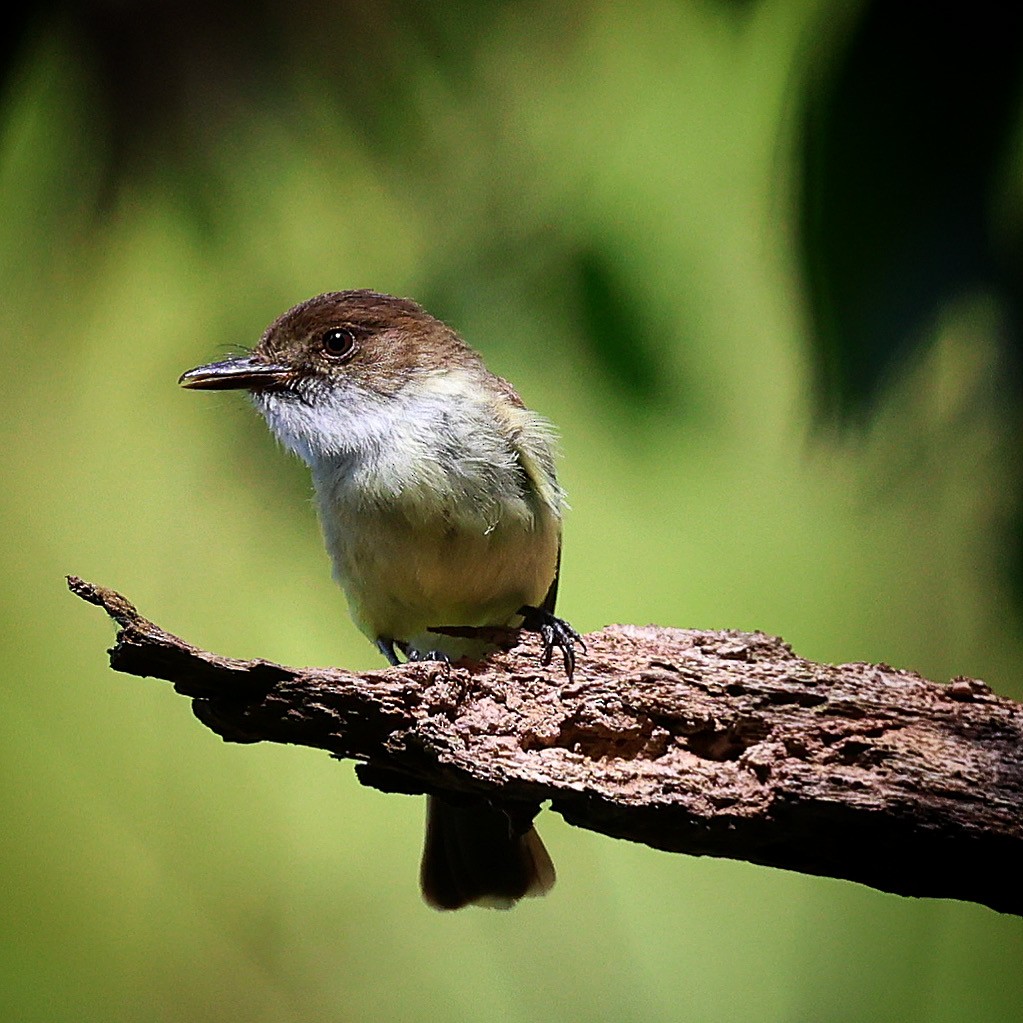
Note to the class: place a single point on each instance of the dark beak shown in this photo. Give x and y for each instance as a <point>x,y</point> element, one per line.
<point>247,371</point>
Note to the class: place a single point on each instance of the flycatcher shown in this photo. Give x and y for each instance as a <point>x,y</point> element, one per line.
<point>441,512</point>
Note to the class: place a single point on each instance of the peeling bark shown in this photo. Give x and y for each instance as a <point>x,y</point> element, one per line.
<point>704,742</point>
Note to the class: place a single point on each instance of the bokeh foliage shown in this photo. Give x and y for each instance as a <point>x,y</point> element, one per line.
<point>620,207</point>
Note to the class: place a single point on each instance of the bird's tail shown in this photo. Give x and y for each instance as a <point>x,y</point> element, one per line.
<point>474,855</point>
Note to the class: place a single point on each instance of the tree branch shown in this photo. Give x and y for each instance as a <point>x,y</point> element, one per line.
<point>708,743</point>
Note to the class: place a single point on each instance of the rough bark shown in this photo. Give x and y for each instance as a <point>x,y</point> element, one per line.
<point>708,743</point>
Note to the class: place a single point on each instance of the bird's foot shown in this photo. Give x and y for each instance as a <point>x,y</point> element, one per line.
<point>423,655</point>
<point>429,655</point>
<point>554,632</point>
<point>386,646</point>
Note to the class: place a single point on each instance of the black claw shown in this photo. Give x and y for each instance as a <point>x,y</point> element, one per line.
<point>386,646</point>
<point>422,655</point>
<point>428,655</point>
<point>554,632</point>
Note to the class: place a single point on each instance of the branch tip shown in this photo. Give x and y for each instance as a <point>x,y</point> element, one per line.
<point>717,743</point>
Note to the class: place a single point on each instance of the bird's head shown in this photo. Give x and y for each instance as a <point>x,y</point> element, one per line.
<point>380,342</point>
<point>334,370</point>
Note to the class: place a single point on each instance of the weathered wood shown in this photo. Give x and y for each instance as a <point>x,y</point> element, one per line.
<point>708,743</point>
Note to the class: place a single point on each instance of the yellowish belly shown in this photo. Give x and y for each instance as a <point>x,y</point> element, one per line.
<point>400,581</point>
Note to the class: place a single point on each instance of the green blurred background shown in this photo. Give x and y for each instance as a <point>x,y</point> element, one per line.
<point>788,393</point>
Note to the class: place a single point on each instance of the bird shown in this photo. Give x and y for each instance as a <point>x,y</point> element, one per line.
<point>440,508</point>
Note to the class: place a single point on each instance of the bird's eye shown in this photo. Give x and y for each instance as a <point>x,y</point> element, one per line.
<point>338,342</point>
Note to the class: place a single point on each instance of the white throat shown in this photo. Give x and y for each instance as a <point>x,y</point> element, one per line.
<point>433,449</point>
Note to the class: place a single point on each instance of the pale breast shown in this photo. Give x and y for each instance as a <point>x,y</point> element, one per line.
<point>440,509</point>
<point>401,577</point>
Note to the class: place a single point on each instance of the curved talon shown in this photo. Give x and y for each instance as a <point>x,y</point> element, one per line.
<point>429,655</point>
<point>386,646</point>
<point>554,632</point>
<point>422,655</point>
